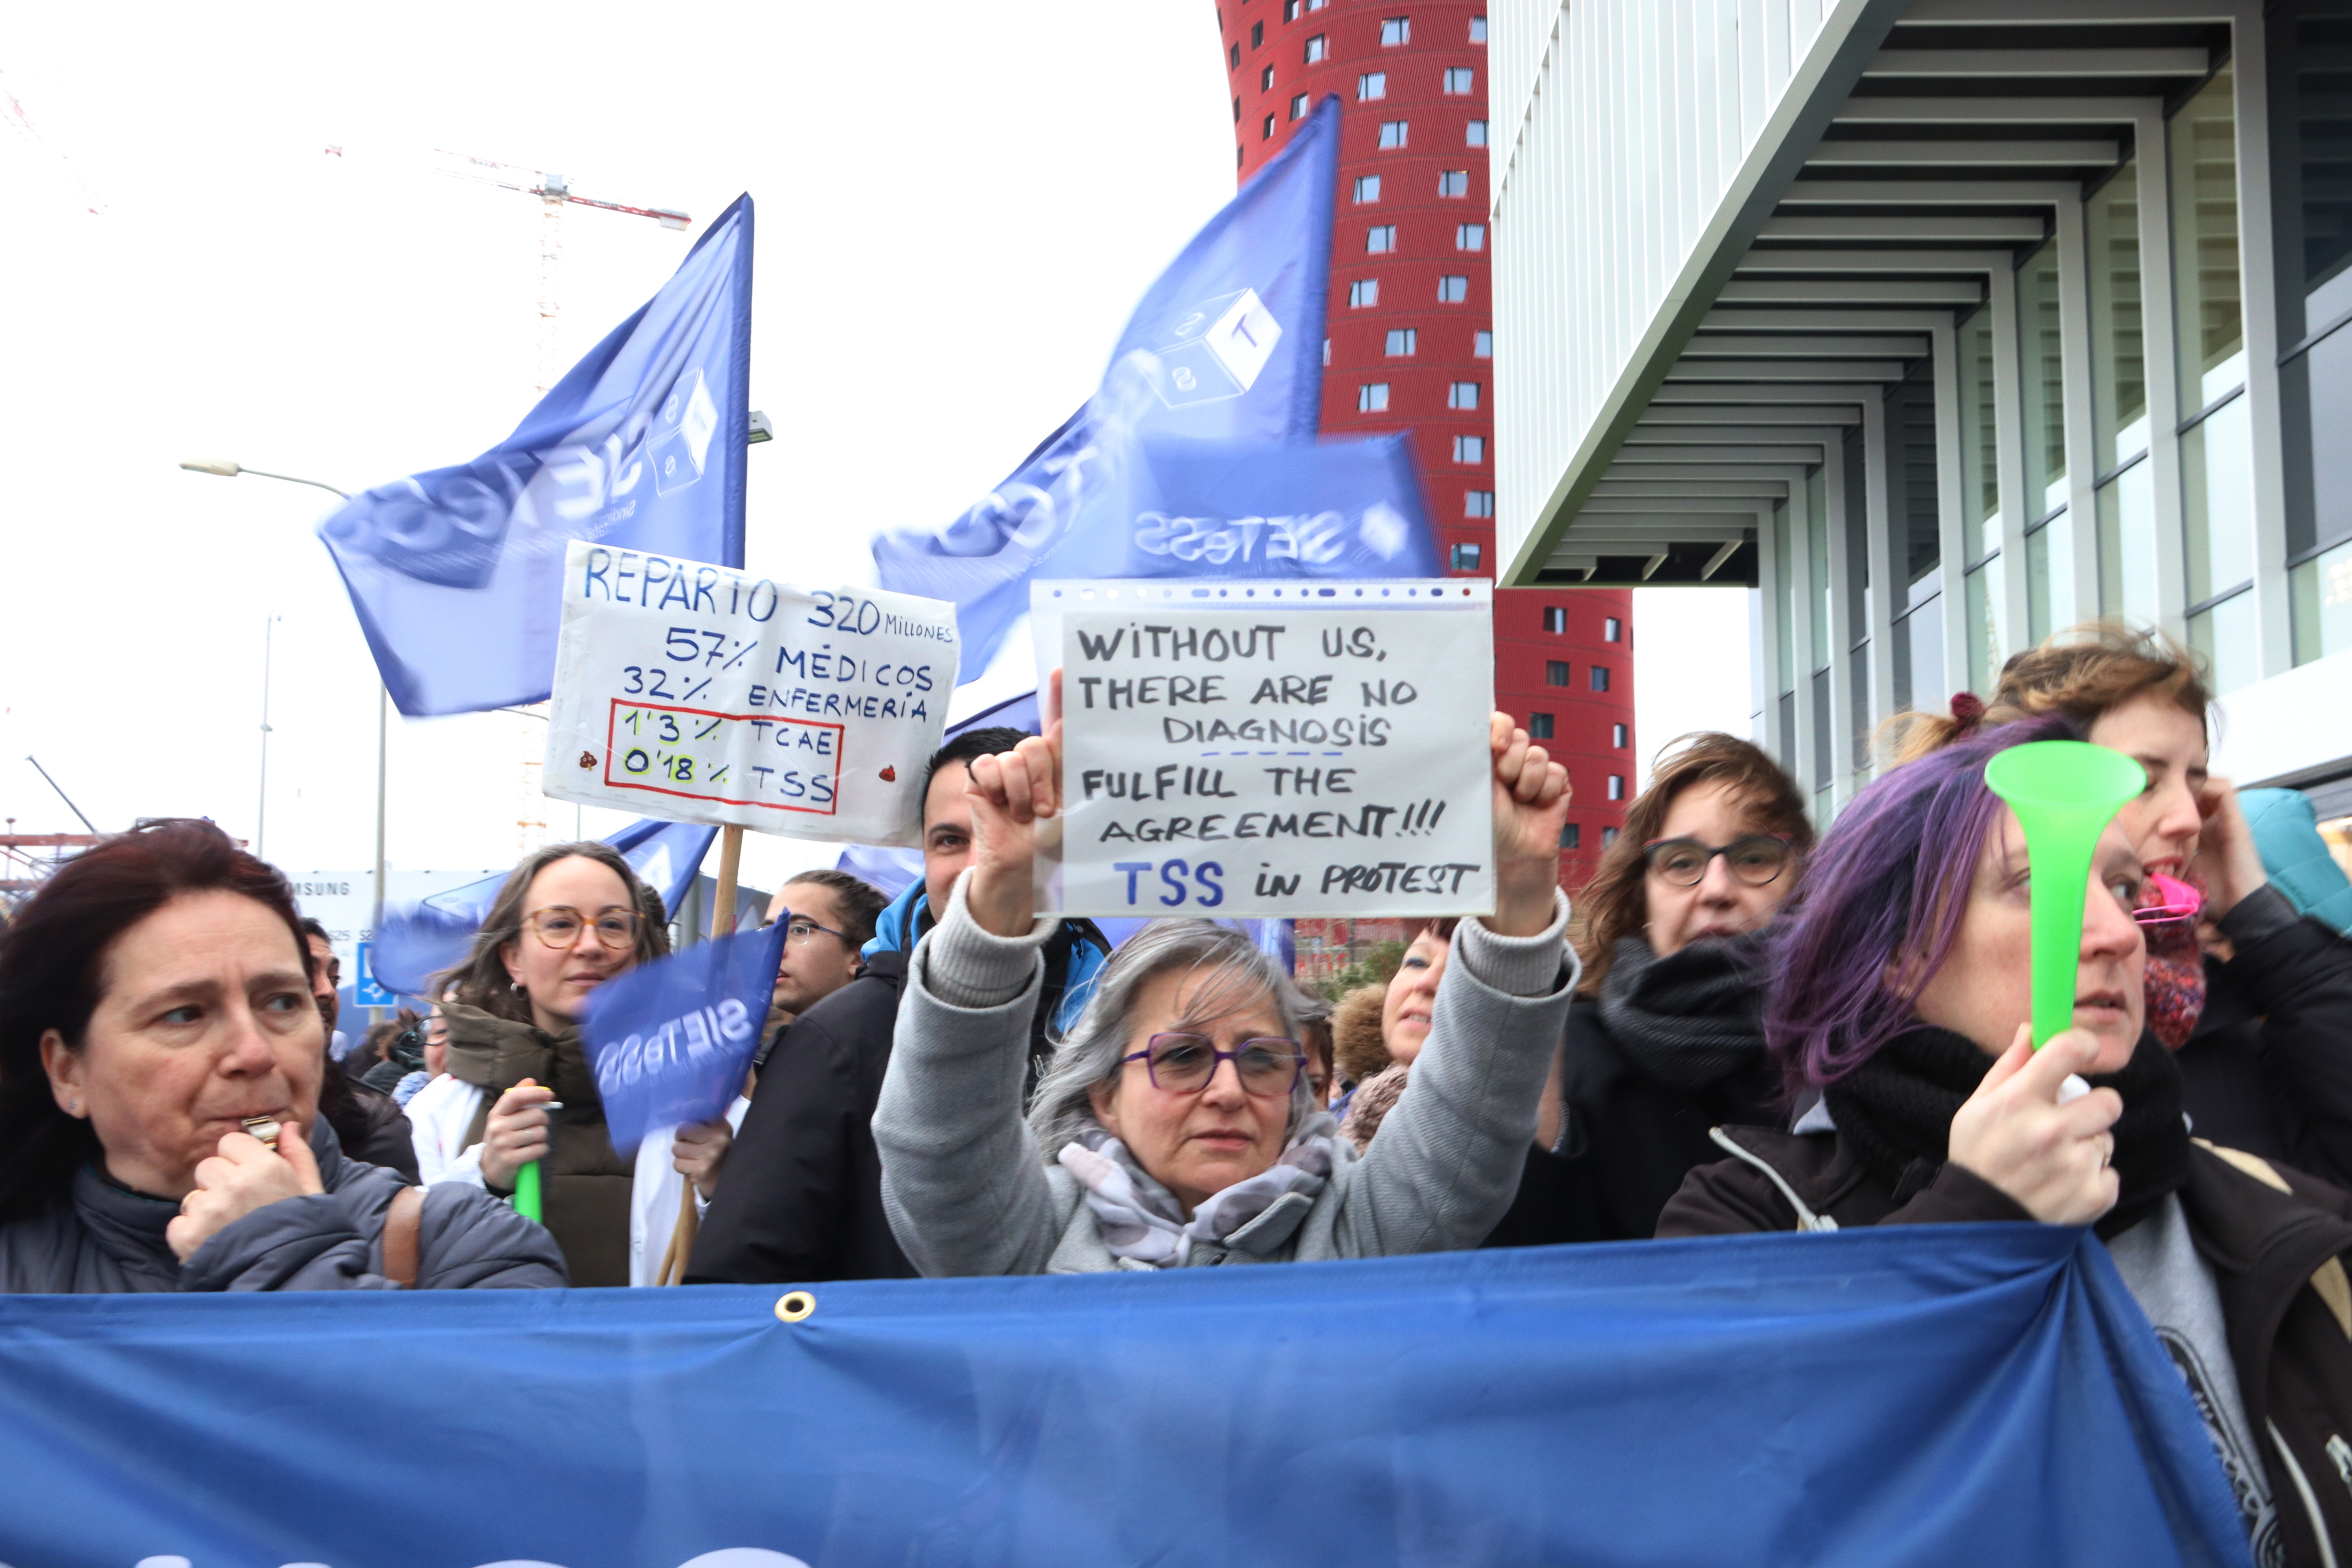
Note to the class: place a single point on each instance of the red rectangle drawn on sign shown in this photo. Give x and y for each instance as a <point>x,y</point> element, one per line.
<point>819,794</point>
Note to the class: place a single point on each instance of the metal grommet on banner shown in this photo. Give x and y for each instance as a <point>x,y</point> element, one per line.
<point>794,1305</point>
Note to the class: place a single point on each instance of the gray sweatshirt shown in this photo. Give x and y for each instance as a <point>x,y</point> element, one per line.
<point>967,1191</point>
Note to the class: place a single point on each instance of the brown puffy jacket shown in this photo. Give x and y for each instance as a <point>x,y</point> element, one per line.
<point>2275,1238</point>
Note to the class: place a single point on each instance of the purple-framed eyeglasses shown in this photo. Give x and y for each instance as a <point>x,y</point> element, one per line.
<point>1269,1065</point>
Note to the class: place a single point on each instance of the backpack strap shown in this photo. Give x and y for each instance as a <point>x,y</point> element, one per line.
<point>404,1220</point>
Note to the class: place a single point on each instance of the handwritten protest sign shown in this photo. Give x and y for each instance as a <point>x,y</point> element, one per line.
<point>704,694</point>
<point>671,1039</point>
<point>1263,749</point>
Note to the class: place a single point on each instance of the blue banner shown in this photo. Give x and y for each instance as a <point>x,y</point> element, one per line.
<point>419,942</point>
<point>1962,1394</point>
<point>670,1040</point>
<point>453,572</point>
<point>1203,429</point>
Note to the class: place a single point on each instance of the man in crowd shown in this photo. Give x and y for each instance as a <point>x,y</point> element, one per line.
<point>802,1198</point>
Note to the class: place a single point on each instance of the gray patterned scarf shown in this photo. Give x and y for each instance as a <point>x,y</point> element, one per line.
<point>1139,1218</point>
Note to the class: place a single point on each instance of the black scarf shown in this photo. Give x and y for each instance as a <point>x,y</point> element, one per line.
<point>1693,1017</point>
<point>1897,1110</point>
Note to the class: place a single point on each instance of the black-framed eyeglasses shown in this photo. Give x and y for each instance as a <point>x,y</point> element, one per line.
<point>1757,860</point>
<point>802,930</point>
<point>1269,1065</point>
<point>561,926</point>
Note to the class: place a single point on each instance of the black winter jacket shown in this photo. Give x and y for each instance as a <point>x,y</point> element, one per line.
<point>1627,1140</point>
<point>2268,1069</point>
<point>2275,1238</point>
<point>801,1197</point>
<point>108,1238</point>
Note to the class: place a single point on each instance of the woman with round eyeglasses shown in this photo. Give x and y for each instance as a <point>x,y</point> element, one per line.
<point>519,1086</point>
<point>1175,1127</point>
<point>1672,933</point>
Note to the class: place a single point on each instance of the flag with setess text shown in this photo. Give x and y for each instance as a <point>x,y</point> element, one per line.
<point>670,1040</point>
<point>1197,456</point>
<point>453,573</point>
<point>1892,1397</point>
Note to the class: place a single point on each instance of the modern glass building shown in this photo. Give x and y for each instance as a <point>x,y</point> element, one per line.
<point>1939,326</point>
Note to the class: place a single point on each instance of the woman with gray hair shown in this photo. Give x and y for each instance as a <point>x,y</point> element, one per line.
<point>1176,1127</point>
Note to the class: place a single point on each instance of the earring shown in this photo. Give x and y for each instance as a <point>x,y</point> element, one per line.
<point>517,988</point>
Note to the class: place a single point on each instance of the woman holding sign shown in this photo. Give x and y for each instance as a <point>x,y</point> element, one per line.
<point>1175,1127</point>
<point>519,1086</point>
<point>1902,991</point>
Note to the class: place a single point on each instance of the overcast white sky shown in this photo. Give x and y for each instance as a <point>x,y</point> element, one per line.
<point>958,205</point>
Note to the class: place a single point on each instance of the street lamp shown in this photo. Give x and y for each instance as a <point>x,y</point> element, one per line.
<point>230,470</point>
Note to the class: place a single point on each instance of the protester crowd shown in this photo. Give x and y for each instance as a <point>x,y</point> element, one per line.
<point>1740,1028</point>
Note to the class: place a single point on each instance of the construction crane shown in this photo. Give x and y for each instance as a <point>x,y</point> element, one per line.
<point>554,193</point>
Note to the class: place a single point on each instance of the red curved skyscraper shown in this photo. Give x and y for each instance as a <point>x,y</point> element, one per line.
<point>1411,346</point>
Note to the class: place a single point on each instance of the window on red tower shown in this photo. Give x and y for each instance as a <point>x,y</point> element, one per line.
<point>1372,397</point>
<point>1555,619</point>
<point>1466,557</point>
<point>1617,736</point>
<point>1257,34</point>
<point>1372,85</point>
<point>1616,786</point>
<point>1475,133</point>
<point>1608,836</point>
<point>1394,133</point>
<point>1469,237</point>
<point>1612,630</point>
<point>1482,346</point>
<point>1319,49</point>
<point>1380,239</point>
<point>1290,11</point>
<point>1265,79</point>
<point>1477,29</point>
<point>1368,189</point>
<point>1460,82</point>
<point>1462,395</point>
<point>1364,293</point>
<point>1396,30</point>
<point>1477,503</point>
<point>1470,449</point>
<point>1571,836</point>
<point>1267,134</point>
<point>1598,674</point>
<point>1556,672</point>
<point>1299,107</point>
<point>1539,726</point>
<point>1237,111</point>
<point>1233,58</point>
<point>1403,342</point>
<point>1453,183</point>
<point>1453,288</point>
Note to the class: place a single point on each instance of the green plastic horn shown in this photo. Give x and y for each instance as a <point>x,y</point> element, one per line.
<point>2064,793</point>
<point>526,1192</point>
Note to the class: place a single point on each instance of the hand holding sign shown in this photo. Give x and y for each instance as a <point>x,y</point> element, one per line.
<point>1531,797</point>
<point>1011,792</point>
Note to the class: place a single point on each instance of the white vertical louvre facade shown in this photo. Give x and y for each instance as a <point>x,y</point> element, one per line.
<point>1940,326</point>
<point>1624,138</point>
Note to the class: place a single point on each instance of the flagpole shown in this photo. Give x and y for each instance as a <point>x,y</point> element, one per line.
<point>722,923</point>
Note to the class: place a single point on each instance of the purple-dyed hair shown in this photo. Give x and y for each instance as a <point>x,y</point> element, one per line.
<point>1881,905</point>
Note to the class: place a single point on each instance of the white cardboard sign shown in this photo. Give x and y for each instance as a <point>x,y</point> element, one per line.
<point>701,693</point>
<point>1271,749</point>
